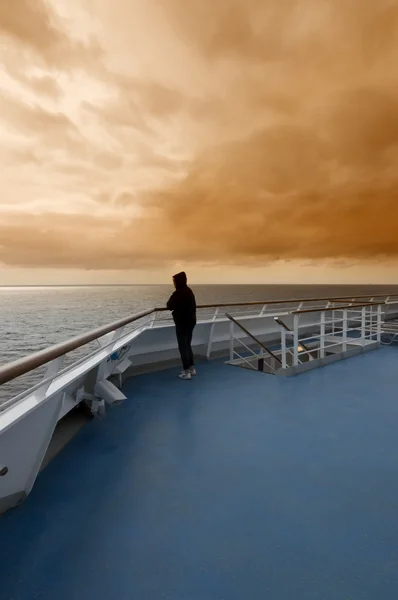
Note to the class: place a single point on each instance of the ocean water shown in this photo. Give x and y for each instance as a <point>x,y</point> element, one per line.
<point>33,318</point>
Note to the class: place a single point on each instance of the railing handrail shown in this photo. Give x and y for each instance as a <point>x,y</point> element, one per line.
<point>23,365</point>
<point>263,346</point>
<point>333,308</point>
<point>285,301</point>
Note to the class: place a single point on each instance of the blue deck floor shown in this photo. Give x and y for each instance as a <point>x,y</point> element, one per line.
<point>235,486</point>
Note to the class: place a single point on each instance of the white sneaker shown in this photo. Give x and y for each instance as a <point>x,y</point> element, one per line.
<point>192,370</point>
<point>185,375</point>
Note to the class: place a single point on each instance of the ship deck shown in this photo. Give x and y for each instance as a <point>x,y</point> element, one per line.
<point>235,485</point>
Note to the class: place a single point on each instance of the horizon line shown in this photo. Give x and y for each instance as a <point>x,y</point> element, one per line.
<point>63,285</point>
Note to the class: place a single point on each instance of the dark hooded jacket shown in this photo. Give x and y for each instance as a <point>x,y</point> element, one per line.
<point>182,302</point>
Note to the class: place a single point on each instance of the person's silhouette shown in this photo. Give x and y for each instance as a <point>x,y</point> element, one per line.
<point>182,303</point>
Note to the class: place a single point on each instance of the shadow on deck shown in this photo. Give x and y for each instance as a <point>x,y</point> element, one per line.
<point>234,485</point>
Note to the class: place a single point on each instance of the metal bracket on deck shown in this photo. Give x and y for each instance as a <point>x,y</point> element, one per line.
<point>93,402</point>
<point>110,393</point>
<point>121,368</point>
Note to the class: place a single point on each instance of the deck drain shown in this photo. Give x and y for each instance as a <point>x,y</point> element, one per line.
<point>3,471</point>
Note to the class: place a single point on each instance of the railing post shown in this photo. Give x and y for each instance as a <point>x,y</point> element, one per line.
<point>371,329</point>
<point>344,330</point>
<point>231,341</point>
<point>118,333</point>
<point>363,322</point>
<point>322,340</point>
<point>209,343</point>
<point>283,347</point>
<point>379,324</point>
<point>295,339</point>
<point>54,366</point>
<point>112,336</point>
<point>152,320</point>
<point>52,370</point>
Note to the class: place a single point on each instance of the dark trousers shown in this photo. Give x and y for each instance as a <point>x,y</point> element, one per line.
<point>184,338</point>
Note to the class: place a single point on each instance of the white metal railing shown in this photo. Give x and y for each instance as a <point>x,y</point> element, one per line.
<point>257,310</point>
<point>334,329</point>
<point>264,358</point>
<point>389,332</point>
<point>347,326</point>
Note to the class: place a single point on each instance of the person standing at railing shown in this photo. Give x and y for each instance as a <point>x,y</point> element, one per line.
<point>182,303</point>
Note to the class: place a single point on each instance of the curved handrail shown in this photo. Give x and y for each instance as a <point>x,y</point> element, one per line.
<point>23,365</point>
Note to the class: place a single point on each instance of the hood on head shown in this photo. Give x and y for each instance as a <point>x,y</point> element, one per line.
<point>180,279</point>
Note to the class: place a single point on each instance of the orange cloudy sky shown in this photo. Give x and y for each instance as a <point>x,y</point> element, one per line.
<point>243,140</point>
